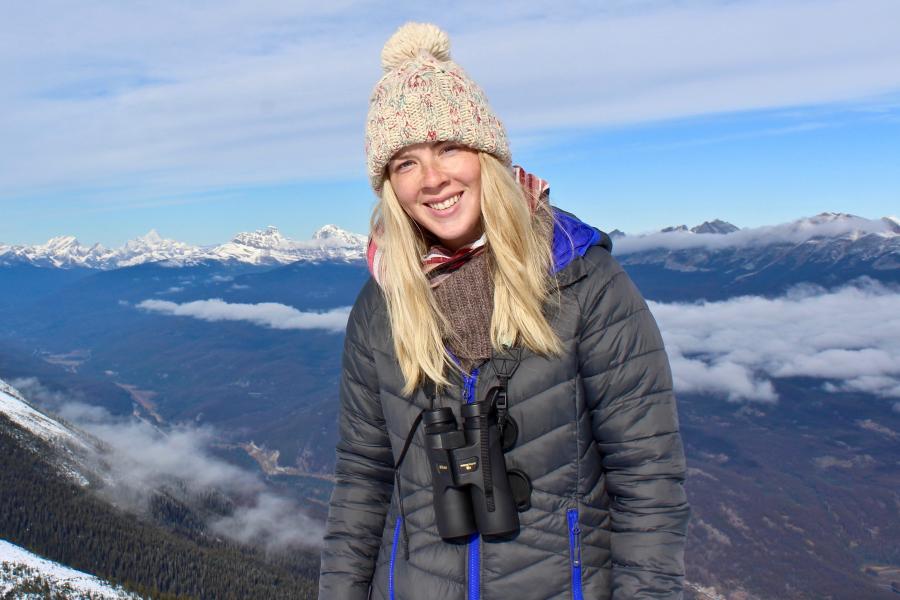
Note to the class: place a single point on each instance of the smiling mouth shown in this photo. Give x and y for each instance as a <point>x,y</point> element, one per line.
<point>445,204</point>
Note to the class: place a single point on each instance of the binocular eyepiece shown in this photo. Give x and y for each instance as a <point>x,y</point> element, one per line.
<point>472,491</point>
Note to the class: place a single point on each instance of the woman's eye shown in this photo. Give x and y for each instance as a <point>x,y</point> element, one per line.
<point>447,149</point>
<point>402,166</point>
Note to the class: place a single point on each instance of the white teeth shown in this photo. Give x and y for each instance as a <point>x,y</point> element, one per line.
<point>446,203</point>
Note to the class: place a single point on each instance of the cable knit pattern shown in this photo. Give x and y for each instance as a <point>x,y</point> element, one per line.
<point>425,98</point>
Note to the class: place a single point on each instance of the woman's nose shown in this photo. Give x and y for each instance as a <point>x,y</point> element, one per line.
<point>433,176</point>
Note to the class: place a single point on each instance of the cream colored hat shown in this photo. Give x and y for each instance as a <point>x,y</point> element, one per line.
<point>424,96</point>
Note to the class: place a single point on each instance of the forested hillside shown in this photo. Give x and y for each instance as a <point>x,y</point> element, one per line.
<point>59,520</point>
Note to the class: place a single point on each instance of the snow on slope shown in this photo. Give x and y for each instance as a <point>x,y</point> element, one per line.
<point>18,566</point>
<point>269,246</point>
<point>20,412</point>
<point>75,449</point>
<point>150,247</point>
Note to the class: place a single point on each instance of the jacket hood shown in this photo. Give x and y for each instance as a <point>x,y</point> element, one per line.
<point>572,237</point>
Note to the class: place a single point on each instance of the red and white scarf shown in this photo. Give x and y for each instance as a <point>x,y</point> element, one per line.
<point>439,262</point>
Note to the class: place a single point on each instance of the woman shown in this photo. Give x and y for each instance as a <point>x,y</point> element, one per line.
<point>479,286</point>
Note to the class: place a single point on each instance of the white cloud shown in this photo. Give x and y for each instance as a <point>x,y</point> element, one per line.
<point>144,458</point>
<point>267,314</point>
<point>141,459</point>
<point>174,97</point>
<point>272,521</point>
<point>172,290</point>
<point>850,338</point>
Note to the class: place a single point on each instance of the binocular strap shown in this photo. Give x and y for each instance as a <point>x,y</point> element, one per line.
<point>406,444</point>
<point>486,469</point>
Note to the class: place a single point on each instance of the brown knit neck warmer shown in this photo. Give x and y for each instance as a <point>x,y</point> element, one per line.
<point>466,299</point>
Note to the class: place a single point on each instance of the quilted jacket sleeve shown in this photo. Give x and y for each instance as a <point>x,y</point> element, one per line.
<point>364,472</point>
<point>629,393</point>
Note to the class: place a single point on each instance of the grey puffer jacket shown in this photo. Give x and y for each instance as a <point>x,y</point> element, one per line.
<point>598,437</point>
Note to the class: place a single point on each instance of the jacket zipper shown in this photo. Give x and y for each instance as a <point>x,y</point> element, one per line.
<point>575,552</point>
<point>474,546</point>
<point>394,545</point>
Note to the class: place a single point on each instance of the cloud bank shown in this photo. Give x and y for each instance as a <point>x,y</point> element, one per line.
<point>849,338</point>
<point>267,314</point>
<point>142,459</point>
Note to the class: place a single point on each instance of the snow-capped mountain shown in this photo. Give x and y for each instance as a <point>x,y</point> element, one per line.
<point>23,573</point>
<point>269,246</point>
<point>261,247</point>
<point>333,235</point>
<point>67,252</point>
<point>150,247</point>
<point>62,251</point>
<point>717,235</point>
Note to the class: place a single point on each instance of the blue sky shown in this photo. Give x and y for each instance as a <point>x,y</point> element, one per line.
<point>203,119</point>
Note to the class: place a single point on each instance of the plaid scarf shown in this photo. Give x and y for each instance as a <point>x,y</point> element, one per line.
<point>438,263</point>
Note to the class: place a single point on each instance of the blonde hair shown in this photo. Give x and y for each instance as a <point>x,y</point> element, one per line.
<point>518,242</point>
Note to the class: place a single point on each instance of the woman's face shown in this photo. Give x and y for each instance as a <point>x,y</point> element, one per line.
<point>438,184</point>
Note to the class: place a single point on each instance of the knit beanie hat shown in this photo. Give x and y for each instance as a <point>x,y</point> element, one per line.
<point>424,96</point>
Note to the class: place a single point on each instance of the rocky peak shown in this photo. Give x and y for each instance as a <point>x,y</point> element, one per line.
<point>150,247</point>
<point>267,238</point>
<point>893,223</point>
<point>716,226</point>
<point>61,243</point>
<point>151,237</point>
<point>333,234</point>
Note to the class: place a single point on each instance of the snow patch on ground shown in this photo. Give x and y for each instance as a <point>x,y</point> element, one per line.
<point>18,566</point>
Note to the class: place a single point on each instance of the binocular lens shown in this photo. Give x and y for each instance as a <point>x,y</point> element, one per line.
<point>439,416</point>
<point>475,410</point>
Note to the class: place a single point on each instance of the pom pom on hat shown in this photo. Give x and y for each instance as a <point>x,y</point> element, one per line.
<point>412,39</point>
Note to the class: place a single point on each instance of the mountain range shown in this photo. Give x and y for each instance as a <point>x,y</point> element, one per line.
<point>268,246</point>
<point>262,247</point>
<point>715,261</point>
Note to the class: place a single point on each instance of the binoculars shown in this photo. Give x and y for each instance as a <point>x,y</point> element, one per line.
<point>471,485</point>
